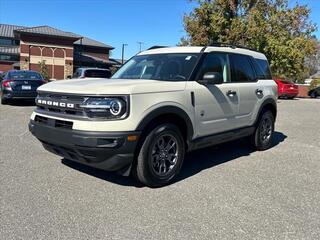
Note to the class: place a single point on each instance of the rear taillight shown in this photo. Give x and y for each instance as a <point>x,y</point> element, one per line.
<point>6,83</point>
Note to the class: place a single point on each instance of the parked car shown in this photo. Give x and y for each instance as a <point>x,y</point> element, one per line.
<point>314,93</point>
<point>286,89</point>
<point>161,104</point>
<point>20,84</point>
<point>92,73</point>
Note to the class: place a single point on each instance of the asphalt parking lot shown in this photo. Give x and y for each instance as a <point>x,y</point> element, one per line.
<point>223,192</point>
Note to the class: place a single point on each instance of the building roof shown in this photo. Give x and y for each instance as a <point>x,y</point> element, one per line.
<point>88,58</point>
<point>48,31</point>
<point>10,50</point>
<point>6,30</point>
<point>118,61</point>
<point>90,42</point>
<point>316,75</point>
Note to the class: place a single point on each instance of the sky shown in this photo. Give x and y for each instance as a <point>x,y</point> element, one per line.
<point>114,22</point>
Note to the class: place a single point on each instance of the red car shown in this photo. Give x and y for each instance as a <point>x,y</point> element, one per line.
<point>286,89</point>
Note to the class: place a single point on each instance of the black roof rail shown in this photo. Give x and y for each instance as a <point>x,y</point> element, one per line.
<point>156,46</point>
<point>221,44</point>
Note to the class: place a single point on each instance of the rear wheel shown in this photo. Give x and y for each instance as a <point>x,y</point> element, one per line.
<point>161,156</point>
<point>262,137</point>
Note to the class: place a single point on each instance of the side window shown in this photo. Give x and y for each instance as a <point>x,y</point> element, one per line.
<point>241,69</point>
<point>262,68</point>
<point>215,62</point>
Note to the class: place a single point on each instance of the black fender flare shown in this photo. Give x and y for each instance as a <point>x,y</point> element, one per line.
<point>168,110</point>
<point>268,101</point>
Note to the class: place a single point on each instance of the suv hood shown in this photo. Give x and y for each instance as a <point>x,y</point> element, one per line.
<point>112,86</point>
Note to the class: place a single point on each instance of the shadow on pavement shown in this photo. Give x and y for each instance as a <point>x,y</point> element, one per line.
<point>194,163</point>
<point>202,159</point>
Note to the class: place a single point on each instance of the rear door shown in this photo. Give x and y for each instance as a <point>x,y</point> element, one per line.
<point>250,90</point>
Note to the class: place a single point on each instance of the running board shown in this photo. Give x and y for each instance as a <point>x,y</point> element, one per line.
<point>218,138</point>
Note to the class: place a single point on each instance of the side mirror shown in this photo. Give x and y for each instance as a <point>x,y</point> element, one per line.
<point>211,78</point>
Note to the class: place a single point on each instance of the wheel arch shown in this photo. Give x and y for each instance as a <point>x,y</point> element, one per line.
<point>169,114</point>
<point>268,104</point>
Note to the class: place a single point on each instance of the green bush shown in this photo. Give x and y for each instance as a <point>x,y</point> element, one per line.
<point>314,83</point>
<point>44,70</point>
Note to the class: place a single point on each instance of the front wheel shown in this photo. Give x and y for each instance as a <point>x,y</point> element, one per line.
<point>161,156</point>
<point>262,137</point>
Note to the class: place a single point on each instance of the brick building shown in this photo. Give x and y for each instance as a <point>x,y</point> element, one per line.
<point>24,47</point>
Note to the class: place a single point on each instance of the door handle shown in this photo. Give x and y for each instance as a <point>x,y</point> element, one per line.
<point>231,93</point>
<point>259,92</point>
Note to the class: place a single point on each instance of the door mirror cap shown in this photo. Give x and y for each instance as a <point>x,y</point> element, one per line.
<point>211,78</point>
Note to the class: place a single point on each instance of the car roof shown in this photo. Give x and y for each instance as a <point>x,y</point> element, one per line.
<point>13,71</point>
<point>198,49</point>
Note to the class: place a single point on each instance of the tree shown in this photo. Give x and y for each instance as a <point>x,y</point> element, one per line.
<point>283,33</point>
<point>44,70</point>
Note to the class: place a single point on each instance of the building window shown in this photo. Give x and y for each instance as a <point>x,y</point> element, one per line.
<point>8,41</point>
<point>5,57</point>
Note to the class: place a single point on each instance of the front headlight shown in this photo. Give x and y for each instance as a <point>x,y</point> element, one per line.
<point>106,107</point>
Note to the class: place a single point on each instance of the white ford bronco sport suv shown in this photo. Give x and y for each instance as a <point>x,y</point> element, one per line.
<point>161,104</point>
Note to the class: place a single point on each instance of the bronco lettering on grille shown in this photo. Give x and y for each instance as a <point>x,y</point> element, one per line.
<point>55,103</point>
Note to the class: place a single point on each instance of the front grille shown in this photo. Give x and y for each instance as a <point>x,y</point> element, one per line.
<point>41,119</point>
<point>63,124</point>
<point>53,122</point>
<point>68,100</point>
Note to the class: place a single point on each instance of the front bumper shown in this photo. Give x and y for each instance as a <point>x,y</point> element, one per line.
<point>104,150</point>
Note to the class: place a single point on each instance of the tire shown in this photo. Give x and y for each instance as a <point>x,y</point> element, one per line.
<point>160,157</point>
<point>261,139</point>
<point>313,95</point>
<point>4,101</point>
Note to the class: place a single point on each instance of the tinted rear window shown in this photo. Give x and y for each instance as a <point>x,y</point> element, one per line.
<point>262,69</point>
<point>97,74</point>
<point>241,69</point>
<point>24,76</point>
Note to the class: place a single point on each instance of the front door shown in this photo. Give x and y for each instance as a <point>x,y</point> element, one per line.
<point>216,105</point>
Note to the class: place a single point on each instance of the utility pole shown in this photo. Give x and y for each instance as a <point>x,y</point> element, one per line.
<point>123,45</point>
<point>81,49</point>
<point>140,44</point>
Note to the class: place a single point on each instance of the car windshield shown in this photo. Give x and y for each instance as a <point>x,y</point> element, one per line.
<point>24,76</point>
<point>97,74</point>
<point>165,67</point>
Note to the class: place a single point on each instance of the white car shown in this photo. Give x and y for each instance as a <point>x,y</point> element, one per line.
<point>161,104</point>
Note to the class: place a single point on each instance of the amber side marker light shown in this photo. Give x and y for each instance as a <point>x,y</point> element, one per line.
<point>132,138</point>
